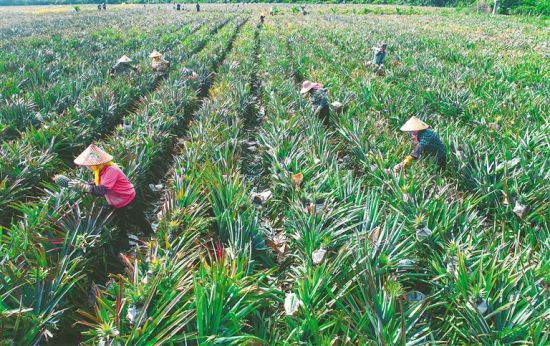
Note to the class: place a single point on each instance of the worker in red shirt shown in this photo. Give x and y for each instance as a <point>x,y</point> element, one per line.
<point>112,184</point>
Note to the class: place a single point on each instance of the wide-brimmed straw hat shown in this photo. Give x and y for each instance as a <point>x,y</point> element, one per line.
<point>308,85</point>
<point>92,156</point>
<point>124,59</point>
<point>414,124</point>
<point>155,54</point>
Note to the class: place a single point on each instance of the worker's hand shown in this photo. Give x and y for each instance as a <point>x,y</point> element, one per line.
<point>404,164</point>
<point>317,111</point>
<point>78,186</point>
<point>398,168</point>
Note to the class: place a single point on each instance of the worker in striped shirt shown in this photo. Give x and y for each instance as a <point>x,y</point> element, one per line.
<point>428,144</point>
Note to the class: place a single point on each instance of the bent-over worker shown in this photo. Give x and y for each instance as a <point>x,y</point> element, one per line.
<point>158,63</point>
<point>262,17</point>
<point>427,143</point>
<point>112,184</point>
<point>319,99</point>
<point>379,55</point>
<point>123,65</point>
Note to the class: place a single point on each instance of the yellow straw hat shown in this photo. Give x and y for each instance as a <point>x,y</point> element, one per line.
<point>92,156</point>
<point>155,54</point>
<point>414,124</point>
<point>124,59</point>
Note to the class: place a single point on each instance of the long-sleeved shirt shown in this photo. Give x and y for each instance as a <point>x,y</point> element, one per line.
<point>429,144</point>
<point>379,56</point>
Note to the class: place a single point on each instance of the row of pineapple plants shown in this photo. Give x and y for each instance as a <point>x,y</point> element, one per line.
<point>477,304</point>
<point>203,259</point>
<point>469,103</point>
<point>507,183</point>
<point>318,217</point>
<point>29,62</point>
<point>59,84</point>
<point>149,140</point>
<point>21,24</point>
<point>34,157</point>
<point>332,249</point>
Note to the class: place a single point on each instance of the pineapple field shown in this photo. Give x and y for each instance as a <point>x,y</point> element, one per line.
<point>272,225</point>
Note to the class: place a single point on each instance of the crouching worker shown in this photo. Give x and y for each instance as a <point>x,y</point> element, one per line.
<point>112,184</point>
<point>379,55</point>
<point>122,66</point>
<point>319,100</point>
<point>378,58</point>
<point>158,63</point>
<point>427,143</point>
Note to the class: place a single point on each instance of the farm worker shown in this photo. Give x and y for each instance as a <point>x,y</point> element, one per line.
<point>262,17</point>
<point>123,65</point>
<point>303,7</point>
<point>379,54</point>
<point>99,7</point>
<point>112,184</point>
<point>271,11</point>
<point>198,7</point>
<point>427,144</point>
<point>158,63</point>
<point>318,97</point>
<point>104,6</point>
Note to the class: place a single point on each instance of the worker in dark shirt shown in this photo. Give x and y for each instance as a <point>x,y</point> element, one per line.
<point>428,144</point>
<point>379,54</point>
<point>319,99</point>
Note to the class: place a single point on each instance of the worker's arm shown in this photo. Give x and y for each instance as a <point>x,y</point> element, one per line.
<point>98,191</point>
<point>415,155</point>
<point>317,110</point>
<point>417,151</point>
<point>406,163</point>
<point>79,186</point>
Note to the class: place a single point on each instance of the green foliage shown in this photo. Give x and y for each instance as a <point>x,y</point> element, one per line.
<point>274,226</point>
<point>526,7</point>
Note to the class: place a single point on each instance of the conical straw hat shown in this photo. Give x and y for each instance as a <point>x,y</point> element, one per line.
<point>92,156</point>
<point>414,124</point>
<point>124,59</point>
<point>155,54</point>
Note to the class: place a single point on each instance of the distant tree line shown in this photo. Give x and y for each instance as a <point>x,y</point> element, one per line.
<point>532,7</point>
